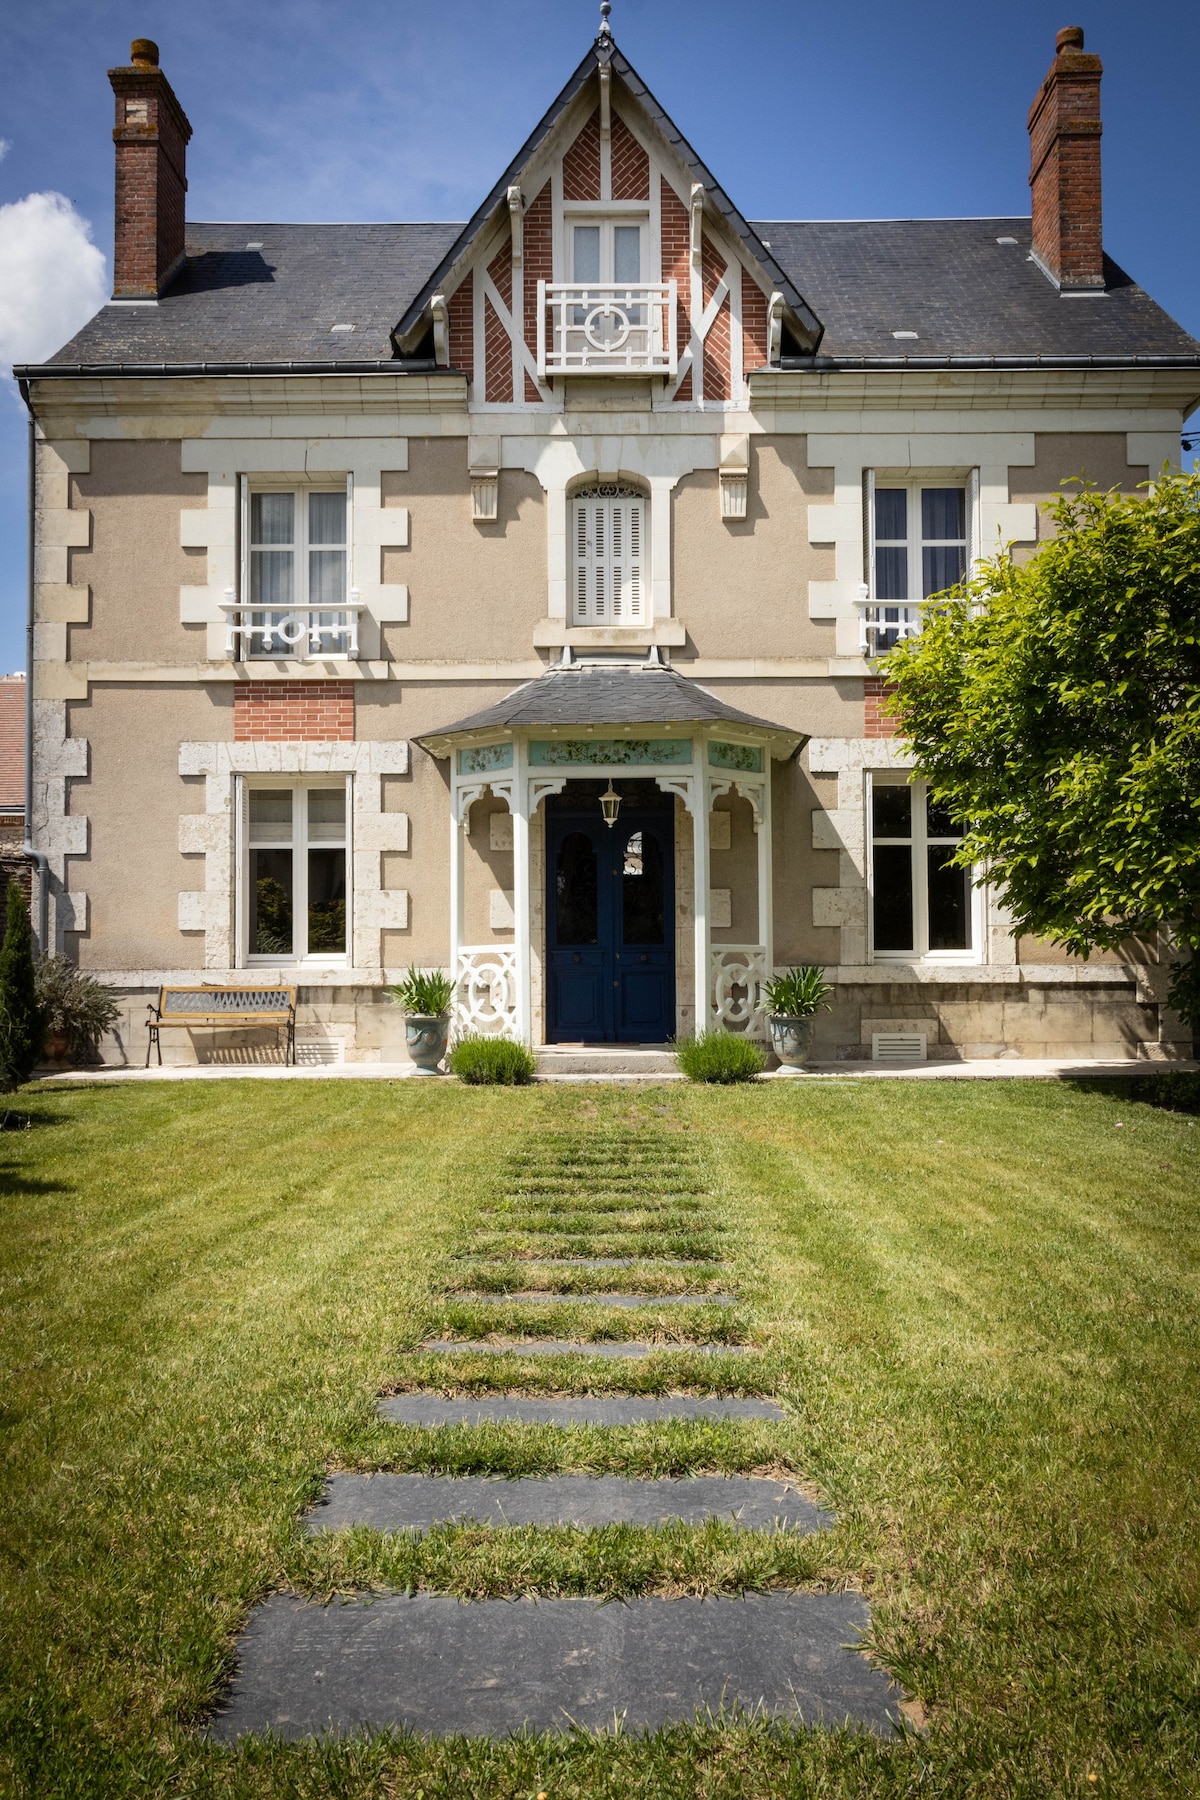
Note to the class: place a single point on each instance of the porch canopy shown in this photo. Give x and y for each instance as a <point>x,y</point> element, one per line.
<point>587,718</point>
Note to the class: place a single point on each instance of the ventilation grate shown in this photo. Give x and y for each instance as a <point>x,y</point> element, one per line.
<point>319,1052</point>
<point>897,1046</point>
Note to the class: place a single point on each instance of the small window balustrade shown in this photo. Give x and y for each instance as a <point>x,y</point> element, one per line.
<point>606,328</point>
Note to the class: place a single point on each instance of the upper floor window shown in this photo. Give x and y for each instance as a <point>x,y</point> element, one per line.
<point>606,250</point>
<point>609,540</point>
<point>922,904</point>
<point>295,871</point>
<point>918,547</point>
<point>296,568</point>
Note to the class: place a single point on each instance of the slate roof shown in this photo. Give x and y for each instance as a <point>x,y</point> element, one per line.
<point>964,293</point>
<point>966,296</point>
<point>644,694</point>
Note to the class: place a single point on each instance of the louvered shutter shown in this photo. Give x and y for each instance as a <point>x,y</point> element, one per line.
<point>609,550</point>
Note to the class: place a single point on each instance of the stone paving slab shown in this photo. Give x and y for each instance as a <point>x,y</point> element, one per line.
<point>432,1410</point>
<point>486,1668</point>
<point>620,1347</point>
<point>419,1502</point>
<point>596,1297</point>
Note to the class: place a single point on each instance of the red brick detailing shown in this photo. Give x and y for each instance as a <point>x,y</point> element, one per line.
<point>581,164</point>
<point>754,324</point>
<point>1064,165</point>
<point>500,270</point>
<point>498,355</point>
<point>293,712</point>
<point>876,722</point>
<point>151,136</point>
<point>460,313</point>
<point>676,264</point>
<point>716,344</point>
<point>538,245</point>
<point>630,164</point>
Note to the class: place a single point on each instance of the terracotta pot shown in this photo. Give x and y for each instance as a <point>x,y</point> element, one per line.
<point>791,1039</point>
<point>58,1047</point>
<point>425,1037</point>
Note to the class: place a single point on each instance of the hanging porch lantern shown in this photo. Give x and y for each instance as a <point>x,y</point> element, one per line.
<point>610,804</point>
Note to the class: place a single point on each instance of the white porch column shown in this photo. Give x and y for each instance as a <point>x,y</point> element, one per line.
<point>522,920</point>
<point>457,884</point>
<point>766,881</point>
<point>701,882</point>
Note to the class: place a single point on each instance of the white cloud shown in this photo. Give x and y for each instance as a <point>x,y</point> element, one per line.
<point>52,276</point>
<point>5,147</point>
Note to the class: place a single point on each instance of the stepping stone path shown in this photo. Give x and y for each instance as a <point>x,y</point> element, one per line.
<point>620,1199</point>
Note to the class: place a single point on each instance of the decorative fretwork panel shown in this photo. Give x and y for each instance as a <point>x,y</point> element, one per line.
<point>738,974</point>
<point>485,999</point>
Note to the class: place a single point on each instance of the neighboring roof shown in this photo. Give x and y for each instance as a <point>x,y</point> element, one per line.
<point>12,743</point>
<point>605,51</point>
<point>962,292</point>
<point>642,694</point>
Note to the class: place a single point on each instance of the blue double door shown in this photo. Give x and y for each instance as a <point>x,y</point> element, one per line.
<point>610,924</point>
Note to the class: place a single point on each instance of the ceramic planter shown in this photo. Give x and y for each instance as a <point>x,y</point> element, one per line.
<point>791,1039</point>
<point>425,1037</point>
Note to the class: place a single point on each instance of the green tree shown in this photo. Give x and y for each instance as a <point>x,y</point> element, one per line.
<point>22,1022</point>
<point>1054,707</point>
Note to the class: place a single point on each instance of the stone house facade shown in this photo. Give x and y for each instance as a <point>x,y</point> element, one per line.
<point>368,557</point>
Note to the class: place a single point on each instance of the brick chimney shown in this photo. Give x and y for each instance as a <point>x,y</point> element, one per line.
<point>1064,166</point>
<point>151,137</point>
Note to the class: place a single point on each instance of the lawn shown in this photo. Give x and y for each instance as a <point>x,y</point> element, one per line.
<point>979,1302</point>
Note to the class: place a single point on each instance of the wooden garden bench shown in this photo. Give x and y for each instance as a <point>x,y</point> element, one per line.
<point>223,1008</point>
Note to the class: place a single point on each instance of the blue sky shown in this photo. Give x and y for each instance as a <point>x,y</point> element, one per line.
<point>386,109</point>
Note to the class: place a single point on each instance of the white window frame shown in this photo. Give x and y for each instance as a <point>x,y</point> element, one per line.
<point>919,844</point>
<point>884,622</point>
<point>298,785</point>
<point>309,646</point>
<point>635,607</point>
<point>607,220</point>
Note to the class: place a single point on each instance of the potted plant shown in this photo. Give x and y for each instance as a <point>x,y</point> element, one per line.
<point>76,1010</point>
<point>425,996</point>
<point>794,999</point>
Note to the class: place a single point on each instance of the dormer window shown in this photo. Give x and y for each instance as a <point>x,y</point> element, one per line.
<point>608,251</point>
<point>609,541</point>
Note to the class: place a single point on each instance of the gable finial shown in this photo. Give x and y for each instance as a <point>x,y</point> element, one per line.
<point>605,27</point>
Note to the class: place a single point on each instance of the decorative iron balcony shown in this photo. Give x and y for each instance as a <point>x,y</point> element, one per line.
<point>295,632</point>
<point>882,623</point>
<point>606,328</point>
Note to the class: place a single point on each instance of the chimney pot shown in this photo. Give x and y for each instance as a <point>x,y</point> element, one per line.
<point>1064,166</point>
<point>151,138</point>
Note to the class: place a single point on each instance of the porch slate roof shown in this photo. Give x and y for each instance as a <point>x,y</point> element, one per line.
<point>646,694</point>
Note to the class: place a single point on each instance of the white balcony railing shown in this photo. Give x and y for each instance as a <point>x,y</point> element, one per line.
<point>882,623</point>
<point>293,632</point>
<point>606,328</point>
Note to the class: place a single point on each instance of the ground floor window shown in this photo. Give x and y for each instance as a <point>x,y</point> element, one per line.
<point>295,870</point>
<point>921,904</point>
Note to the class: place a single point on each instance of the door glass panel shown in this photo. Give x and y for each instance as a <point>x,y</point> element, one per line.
<point>642,890</point>
<point>627,253</point>
<point>892,810</point>
<point>893,897</point>
<point>891,515</point>
<point>575,891</point>
<point>586,265</point>
<point>939,824</point>
<point>943,513</point>
<point>942,565</point>
<point>326,902</point>
<point>949,901</point>
<point>327,815</point>
<point>271,917</point>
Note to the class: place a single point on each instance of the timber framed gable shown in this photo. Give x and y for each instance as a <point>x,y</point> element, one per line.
<point>607,250</point>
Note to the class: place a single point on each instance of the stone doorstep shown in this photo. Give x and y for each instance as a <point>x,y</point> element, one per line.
<point>526,1296</point>
<point>432,1410</point>
<point>626,1348</point>
<point>606,1060</point>
<point>419,1502</point>
<point>487,1668</point>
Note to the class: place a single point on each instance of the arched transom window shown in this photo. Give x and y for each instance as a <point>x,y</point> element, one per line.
<point>609,535</point>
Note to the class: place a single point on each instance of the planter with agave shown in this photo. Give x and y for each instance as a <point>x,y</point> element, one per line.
<point>425,996</point>
<point>794,999</point>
